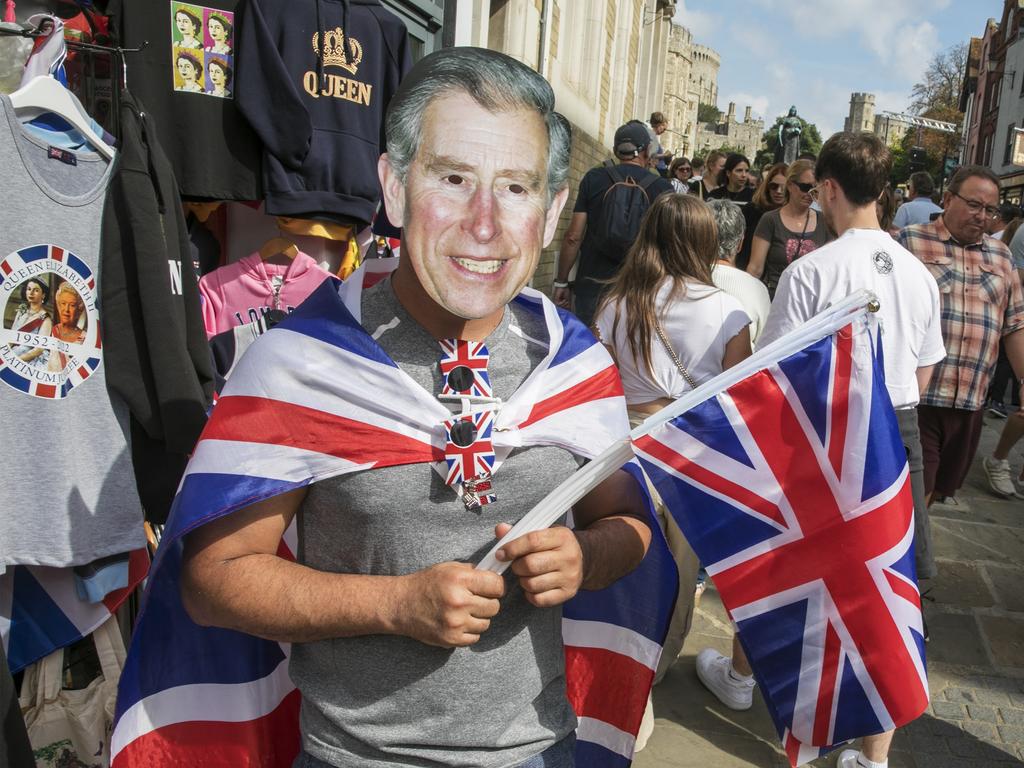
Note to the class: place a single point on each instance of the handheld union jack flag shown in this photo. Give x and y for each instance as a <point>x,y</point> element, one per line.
<point>793,488</point>
<point>471,356</point>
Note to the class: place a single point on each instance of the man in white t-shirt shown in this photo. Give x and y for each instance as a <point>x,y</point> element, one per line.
<point>852,170</point>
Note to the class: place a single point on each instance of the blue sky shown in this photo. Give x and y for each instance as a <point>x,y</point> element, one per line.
<point>814,53</point>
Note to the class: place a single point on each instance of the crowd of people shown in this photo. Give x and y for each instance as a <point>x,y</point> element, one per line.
<point>722,264</point>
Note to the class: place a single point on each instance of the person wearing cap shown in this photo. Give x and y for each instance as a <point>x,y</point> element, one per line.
<point>403,652</point>
<point>581,242</point>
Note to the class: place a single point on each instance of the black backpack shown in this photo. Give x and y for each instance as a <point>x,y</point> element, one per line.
<point>622,209</point>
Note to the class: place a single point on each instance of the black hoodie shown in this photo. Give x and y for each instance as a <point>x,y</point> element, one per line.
<point>154,342</point>
<point>314,80</point>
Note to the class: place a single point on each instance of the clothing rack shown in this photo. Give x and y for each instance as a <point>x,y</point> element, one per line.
<point>116,51</point>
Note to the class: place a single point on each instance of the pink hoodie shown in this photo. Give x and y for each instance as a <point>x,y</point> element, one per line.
<point>239,293</point>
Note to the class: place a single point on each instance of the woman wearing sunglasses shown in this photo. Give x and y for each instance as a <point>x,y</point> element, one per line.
<point>769,195</point>
<point>789,232</point>
<point>680,172</point>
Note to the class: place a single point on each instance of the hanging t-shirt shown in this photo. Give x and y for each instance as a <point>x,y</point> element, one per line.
<point>185,78</point>
<point>68,493</point>
<point>242,292</point>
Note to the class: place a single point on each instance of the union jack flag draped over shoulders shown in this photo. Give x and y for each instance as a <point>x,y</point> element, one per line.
<point>792,487</point>
<point>212,698</point>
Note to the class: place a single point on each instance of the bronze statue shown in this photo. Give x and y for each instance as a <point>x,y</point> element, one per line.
<point>789,138</point>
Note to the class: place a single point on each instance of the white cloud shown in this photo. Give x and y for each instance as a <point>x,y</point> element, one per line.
<point>700,23</point>
<point>893,31</point>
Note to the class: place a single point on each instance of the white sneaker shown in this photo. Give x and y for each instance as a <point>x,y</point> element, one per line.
<point>714,670</point>
<point>999,480</point>
<point>849,758</point>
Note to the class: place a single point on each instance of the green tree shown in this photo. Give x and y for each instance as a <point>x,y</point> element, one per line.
<point>810,141</point>
<point>940,88</point>
<point>708,113</point>
<point>900,166</point>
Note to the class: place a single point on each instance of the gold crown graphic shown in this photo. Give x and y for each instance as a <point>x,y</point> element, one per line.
<point>335,53</point>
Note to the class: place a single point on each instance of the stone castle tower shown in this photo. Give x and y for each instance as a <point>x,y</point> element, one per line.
<point>704,73</point>
<point>862,113</point>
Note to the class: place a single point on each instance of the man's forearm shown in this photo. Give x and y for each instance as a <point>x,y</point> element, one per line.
<point>924,376</point>
<point>291,602</point>
<point>571,242</point>
<point>612,547</point>
<point>567,257</point>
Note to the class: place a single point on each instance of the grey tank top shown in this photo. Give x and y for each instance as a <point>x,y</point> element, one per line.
<point>392,701</point>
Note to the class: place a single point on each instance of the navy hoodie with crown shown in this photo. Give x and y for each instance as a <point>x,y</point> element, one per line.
<point>314,81</point>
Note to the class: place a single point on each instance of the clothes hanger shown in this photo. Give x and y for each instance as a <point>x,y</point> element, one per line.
<point>44,94</point>
<point>279,246</point>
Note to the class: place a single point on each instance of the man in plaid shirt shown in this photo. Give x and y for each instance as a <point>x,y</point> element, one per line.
<point>982,302</point>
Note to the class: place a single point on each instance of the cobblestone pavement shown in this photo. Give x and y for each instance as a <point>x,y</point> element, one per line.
<point>975,657</point>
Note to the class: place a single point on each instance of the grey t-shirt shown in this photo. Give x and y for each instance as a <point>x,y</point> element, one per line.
<point>68,494</point>
<point>393,701</point>
<point>786,245</point>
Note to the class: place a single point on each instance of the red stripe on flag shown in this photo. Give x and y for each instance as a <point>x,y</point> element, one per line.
<point>666,455</point>
<point>827,688</point>
<point>271,741</point>
<point>622,696</point>
<point>839,412</point>
<point>284,552</point>
<point>56,253</point>
<point>46,390</point>
<point>603,384</point>
<point>138,567</point>
<point>7,268</point>
<point>903,589</point>
<point>792,748</point>
<point>274,422</point>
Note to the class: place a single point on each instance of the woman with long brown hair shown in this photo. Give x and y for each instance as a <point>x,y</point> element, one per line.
<point>670,329</point>
<point>770,195</point>
<point>667,325</point>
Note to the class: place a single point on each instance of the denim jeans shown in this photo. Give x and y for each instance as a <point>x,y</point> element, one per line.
<point>560,755</point>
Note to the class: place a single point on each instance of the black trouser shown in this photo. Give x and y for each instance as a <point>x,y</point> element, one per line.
<point>1001,376</point>
<point>586,294</point>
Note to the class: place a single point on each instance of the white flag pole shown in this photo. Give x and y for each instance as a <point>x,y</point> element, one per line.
<point>561,499</point>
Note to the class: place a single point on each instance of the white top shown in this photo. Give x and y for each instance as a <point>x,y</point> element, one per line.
<point>907,295</point>
<point>698,327</point>
<point>751,293</point>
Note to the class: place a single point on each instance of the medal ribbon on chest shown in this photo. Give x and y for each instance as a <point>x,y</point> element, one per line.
<point>468,452</point>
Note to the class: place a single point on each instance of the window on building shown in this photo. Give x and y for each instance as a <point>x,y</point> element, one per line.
<point>1009,144</point>
<point>582,50</point>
